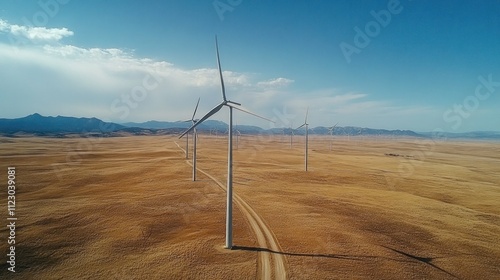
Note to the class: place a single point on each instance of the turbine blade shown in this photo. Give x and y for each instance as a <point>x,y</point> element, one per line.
<point>220,71</point>
<point>300,126</point>
<point>333,127</point>
<point>307,112</point>
<point>247,111</point>
<point>208,115</point>
<point>195,108</point>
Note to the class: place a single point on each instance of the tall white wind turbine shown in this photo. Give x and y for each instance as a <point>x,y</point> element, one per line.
<point>229,190</point>
<point>307,138</point>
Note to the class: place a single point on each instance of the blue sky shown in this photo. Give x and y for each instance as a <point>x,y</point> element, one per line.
<point>420,65</point>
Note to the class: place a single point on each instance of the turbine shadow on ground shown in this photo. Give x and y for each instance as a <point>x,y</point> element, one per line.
<point>314,255</point>
<point>425,260</point>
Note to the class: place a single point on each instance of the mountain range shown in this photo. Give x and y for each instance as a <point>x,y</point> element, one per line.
<point>37,123</point>
<point>60,126</point>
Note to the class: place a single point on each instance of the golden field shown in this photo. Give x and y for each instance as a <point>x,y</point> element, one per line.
<point>126,208</point>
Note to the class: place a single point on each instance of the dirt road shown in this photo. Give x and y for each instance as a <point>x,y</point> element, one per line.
<point>270,266</point>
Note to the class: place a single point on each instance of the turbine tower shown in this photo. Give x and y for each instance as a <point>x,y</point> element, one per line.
<point>229,189</point>
<point>195,139</point>
<point>307,138</point>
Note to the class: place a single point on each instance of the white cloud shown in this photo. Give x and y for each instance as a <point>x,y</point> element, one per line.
<point>115,85</point>
<point>76,52</point>
<point>40,33</point>
<point>67,79</point>
<point>4,26</point>
<point>35,34</point>
<point>278,82</point>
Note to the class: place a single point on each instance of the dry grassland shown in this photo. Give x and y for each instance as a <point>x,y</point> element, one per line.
<point>126,208</point>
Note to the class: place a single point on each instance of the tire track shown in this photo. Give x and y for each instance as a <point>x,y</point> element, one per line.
<point>268,265</point>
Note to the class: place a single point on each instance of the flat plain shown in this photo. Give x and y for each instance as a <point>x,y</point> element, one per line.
<point>126,208</point>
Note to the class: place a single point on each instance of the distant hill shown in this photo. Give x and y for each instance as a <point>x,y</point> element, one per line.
<point>206,125</point>
<point>479,135</point>
<point>351,131</point>
<point>39,124</point>
<point>212,125</point>
<point>60,126</point>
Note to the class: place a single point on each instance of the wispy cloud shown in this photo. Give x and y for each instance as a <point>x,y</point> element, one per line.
<point>278,82</point>
<point>35,34</point>
<point>54,78</point>
<point>60,79</point>
<point>4,26</point>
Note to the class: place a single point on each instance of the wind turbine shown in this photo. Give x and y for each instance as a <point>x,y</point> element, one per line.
<point>192,121</point>
<point>229,189</point>
<point>195,139</point>
<point>238,135</point>
<point>358,139</point>
<point>187,143</point>
<point>331,134</point>
<point>187,136</point>
<point>307,137</point>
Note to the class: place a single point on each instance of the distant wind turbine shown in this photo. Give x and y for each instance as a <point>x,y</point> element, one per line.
<point>195,139</point>
<point>238,139</point>
<point>229,190</point>
<point>187,143</point>
<point>192,120</point>
<point>238,134</point>
<point>195,136</point>
<point>307,138</point>
<point>331,134</point>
